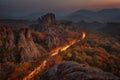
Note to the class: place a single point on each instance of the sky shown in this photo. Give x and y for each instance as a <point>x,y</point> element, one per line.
<point>23,6</point>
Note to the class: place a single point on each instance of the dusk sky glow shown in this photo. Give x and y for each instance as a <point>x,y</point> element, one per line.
<point>22,7</point>
<point>57,4</point>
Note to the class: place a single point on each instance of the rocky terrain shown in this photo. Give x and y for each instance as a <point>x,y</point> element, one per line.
<point>24,48</point>
<point>69,70</point>
<point>17,44</point>
<point>55,34</point>
<point>98,50</point>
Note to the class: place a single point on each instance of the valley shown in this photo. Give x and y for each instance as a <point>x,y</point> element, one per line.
<point>31,50</point>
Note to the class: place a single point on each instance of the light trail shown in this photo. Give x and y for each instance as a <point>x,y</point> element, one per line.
<point>41,67</point>
<point>83,35</point>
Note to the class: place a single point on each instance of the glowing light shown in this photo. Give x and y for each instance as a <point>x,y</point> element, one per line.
<point>83,35</point>
<point>36,71</point>
<point>54,52</point>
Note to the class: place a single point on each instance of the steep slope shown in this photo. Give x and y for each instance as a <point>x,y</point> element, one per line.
<point>30,49</point>
<point>17,42</point>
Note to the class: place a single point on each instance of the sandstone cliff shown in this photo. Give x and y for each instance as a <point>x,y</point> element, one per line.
<point>17,43</point>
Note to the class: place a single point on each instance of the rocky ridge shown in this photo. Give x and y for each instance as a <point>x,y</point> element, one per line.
<point>17,43</point>
<point>56,34</point>
<point>69,70</point>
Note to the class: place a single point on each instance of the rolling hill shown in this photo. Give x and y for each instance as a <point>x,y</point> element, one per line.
<point>105,15</point>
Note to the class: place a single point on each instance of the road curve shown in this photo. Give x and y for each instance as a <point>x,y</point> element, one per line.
<point>41,67</point>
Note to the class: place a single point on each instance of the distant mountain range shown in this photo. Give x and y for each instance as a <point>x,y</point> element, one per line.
<point>105,15</point>
<point>33,15</point>
<point>59,14</point>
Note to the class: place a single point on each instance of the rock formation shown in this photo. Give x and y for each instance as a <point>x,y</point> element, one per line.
<point>16,42</point>
<point>75,71</point>
<point>48,19</point>
<point>56,34</point>
<point>7,43</point>
<point>29,49</point>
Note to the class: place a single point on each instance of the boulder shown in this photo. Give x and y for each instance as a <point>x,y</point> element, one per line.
<point>69,70</point>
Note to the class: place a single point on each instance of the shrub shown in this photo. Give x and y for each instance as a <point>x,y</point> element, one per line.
<point>23,69</point>
<point>89,60</point>
<point>79,59</point>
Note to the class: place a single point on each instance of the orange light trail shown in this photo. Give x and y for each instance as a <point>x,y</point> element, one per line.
<point>41,67</point>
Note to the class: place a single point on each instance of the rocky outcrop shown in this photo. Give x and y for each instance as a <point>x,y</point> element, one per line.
<point>75,71</point>
<point>48,19</point>
<point>52,39</point>
<point>17,44</point>
<point>56,34</point>
<point>7,37</point>
<point>29,49</point>
<point>7,44</point>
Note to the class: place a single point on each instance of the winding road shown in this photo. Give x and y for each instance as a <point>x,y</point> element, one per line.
<point>41,67</point>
